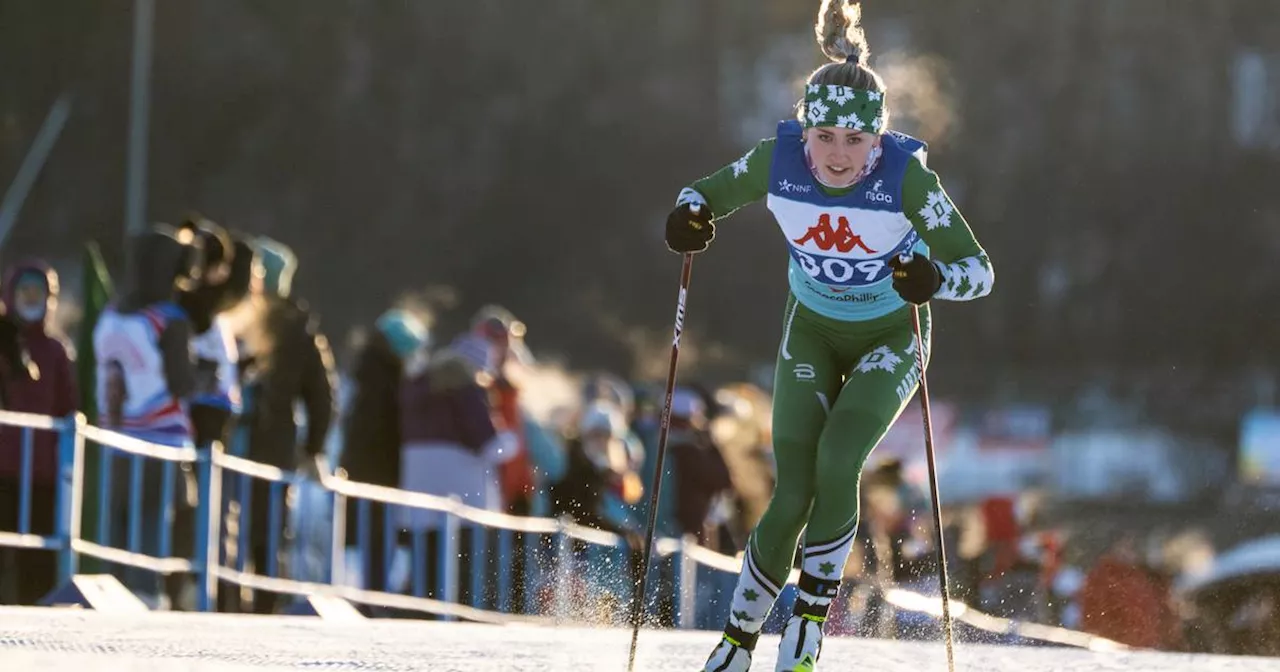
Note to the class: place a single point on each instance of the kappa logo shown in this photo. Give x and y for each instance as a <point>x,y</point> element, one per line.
<point>875,195</point>
<point>787,187</point>
<point>842,238</point>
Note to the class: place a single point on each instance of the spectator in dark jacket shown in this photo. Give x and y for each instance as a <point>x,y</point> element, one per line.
<point>371,436</point>
<point>598,467</point>
<point>286,361</point>
<point>31,295</point>
<point>701,478</point>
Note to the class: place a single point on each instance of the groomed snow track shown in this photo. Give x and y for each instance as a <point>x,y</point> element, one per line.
<point>70,640</point>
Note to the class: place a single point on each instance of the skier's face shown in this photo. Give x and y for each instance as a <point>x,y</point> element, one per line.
<point>839,154</point>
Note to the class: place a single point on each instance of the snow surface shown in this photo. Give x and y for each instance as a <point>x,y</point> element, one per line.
<point>66,640</point>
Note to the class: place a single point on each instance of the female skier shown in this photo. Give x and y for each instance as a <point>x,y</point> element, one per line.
<point>862,214</point>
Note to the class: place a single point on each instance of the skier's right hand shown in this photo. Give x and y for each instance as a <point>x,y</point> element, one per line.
<point>688,231</point>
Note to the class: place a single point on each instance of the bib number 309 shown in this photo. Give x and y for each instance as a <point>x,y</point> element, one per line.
<point>836,271</point>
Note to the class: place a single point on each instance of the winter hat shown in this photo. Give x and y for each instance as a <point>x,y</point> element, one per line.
<point>686,404</point>
<point>475,350</point>
<point>404,332</point>
<point>602,416</point>
<point>279,264</point>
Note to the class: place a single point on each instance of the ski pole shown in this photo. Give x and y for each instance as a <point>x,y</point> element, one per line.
<point>637,599</point>
<point>933,492</point>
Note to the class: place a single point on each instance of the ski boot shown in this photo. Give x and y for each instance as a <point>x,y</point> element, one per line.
<point>802,636</point>
<point>733,653</point>
<point>800,646</point>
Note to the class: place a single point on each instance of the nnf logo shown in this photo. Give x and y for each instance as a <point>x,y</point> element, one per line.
<point>790,188</point>
<point>875,195</point>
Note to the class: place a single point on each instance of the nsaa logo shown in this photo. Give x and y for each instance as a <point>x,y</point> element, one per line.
<point>875,195</point>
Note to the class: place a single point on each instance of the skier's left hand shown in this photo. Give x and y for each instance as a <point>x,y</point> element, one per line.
<point>917,280</point>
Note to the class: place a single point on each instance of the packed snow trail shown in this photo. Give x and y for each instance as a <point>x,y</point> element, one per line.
<point>65,640</point>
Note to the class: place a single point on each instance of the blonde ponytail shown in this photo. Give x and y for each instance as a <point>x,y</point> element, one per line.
<point>840,34</point>
<point>839,31</point>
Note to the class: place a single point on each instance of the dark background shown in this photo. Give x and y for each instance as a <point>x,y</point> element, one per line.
<point>1117,160</point>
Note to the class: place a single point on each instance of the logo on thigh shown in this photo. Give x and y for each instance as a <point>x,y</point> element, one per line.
<point>880,359</point>
<point>805,372</point>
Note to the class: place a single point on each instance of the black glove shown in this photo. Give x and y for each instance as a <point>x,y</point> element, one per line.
<point>689,231</point>
<point>917,280</point>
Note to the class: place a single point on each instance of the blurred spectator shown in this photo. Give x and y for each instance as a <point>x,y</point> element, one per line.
<point>371,450</point>
<point>142,345</point>
<point>598,466</point>
<point>287,363</point>
<point>743,432</point>
<point>503,332</point>
<point>245,287</point>
<point>1123,600</point>
<point>699,474</point>
<point>217,395</point>
<point>13,359</point>
<point>216,398</point>
<point>145,375</point>
<point>450,442</point>
<point>451,445</point>
<point>241,320</point>
<point>1003,532</point>
<point>31,295</point>
<point>602,386</point>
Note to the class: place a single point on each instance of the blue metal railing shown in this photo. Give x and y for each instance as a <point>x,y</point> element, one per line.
<point>22,536</point>
<point>557,555</point>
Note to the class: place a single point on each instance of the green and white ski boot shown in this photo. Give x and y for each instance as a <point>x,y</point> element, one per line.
<point>733,653</point>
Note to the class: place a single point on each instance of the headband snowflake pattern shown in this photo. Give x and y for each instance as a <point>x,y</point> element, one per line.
<point>843,107</point>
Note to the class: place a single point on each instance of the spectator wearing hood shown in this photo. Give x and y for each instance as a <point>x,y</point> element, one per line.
<point>503,334</point>
<point>13,359</point>
<point>31,296</point>
<point>287,361</point>
<point>145,376</point>
<point>452,442</point>
<point>371,436</point>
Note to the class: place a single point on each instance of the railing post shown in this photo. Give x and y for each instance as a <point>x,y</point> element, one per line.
<point>364,544</point>
<point>503,561</point>
<point>448,569</point>
<point>532,550</point>
<point>70,491</point>
<point>26,477</point>
<point>208,527</point>
<point>563,570</point>
<point>686,588</point>
<point>337,569</point>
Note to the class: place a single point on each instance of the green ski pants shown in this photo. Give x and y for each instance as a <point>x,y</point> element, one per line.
<point>838,387</point>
